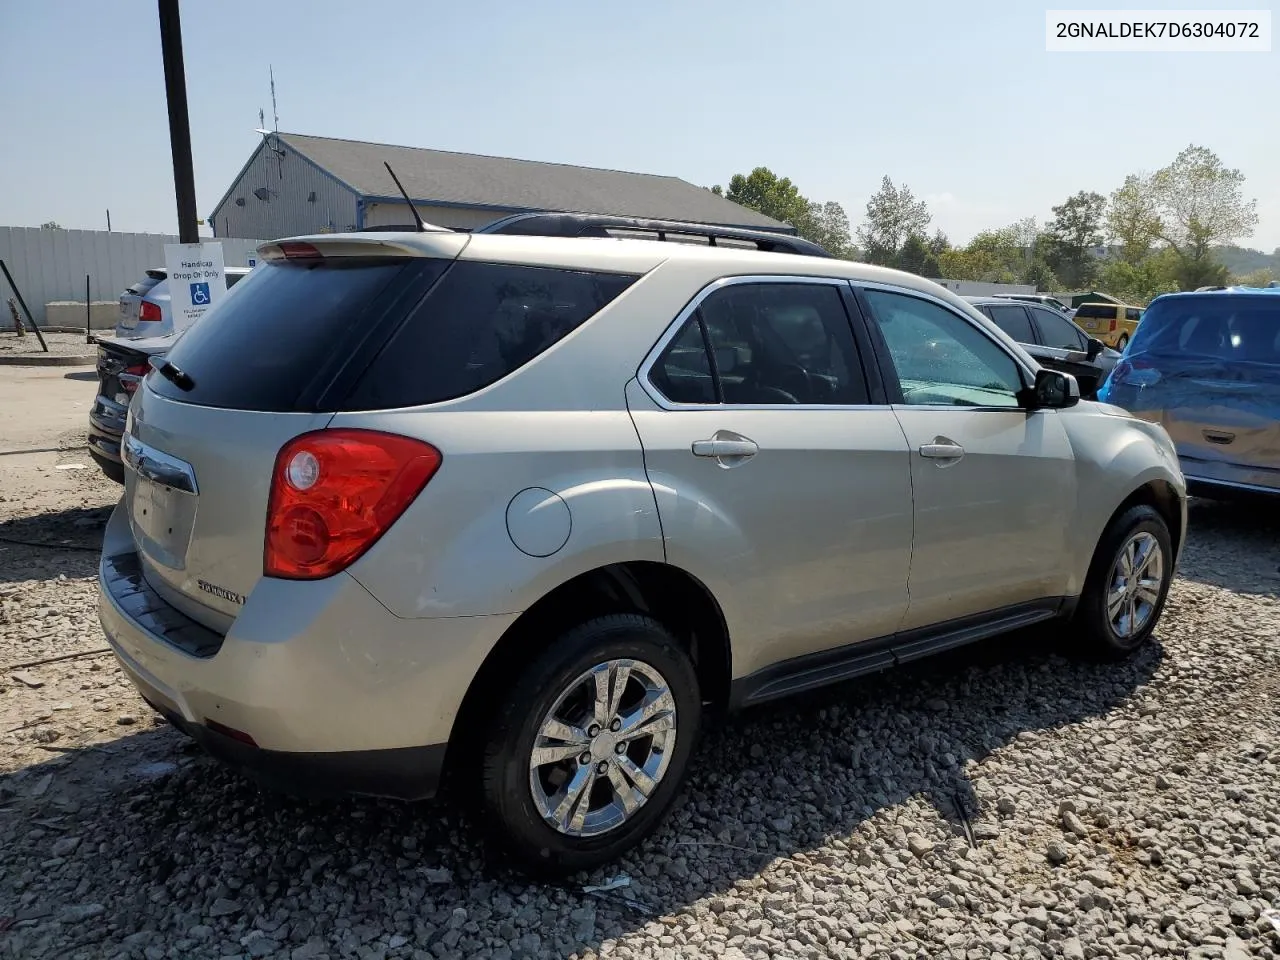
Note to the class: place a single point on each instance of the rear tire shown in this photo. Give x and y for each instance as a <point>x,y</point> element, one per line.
<point>1122,342</point>
<point>1127,584</point>
<point>578,707</point>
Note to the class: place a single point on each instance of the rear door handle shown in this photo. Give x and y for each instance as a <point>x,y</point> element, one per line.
<point>942,451</point>
<point>718,447</point>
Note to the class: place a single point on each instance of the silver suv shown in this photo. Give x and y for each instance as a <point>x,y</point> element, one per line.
<point>529,507</point>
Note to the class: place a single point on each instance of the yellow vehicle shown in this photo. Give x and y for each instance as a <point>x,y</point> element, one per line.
<point>1112,323</point>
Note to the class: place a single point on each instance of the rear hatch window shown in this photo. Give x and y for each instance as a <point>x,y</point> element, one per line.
<point>345,333</point>
<point>264,348</point>
<point>1226,329</point>
<point>141,288</point>
<point>1087,310</point>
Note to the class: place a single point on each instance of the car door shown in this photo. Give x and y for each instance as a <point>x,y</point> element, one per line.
<point>781,482</point>
<point>994,484</point>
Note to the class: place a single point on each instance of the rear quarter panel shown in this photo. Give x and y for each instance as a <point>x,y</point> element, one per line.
<point>453,552</point>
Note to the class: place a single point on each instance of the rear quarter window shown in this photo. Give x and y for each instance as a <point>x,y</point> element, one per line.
<point>481,322</point>
<point>1012,320</point>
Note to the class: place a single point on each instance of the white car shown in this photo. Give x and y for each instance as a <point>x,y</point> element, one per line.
<point>144,307</point>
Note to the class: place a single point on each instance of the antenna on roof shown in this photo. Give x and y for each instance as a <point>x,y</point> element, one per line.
<point>272,137</point>
<point>422,224</point>
<point>275,114</point>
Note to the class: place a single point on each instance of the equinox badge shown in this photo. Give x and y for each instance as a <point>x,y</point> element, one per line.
<point>222,592</point>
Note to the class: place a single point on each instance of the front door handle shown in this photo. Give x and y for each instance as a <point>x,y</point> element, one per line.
<point>939,450</point>
<point>727,447</point>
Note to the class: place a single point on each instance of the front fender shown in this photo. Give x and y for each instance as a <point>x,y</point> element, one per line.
<point>1116,456</point>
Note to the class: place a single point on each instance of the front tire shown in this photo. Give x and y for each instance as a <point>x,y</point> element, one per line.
<point>1127,584</point>
<point>588,750</point>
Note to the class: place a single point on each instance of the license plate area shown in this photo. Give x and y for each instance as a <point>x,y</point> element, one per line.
<point>162,498</point>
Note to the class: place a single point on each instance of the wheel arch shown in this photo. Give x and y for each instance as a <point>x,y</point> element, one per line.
<point>1161,496</point>
<point>669,594</point>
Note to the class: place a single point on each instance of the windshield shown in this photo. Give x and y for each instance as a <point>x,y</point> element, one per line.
<point>1216,327</point>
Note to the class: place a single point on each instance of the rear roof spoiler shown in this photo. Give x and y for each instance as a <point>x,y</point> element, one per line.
<point>600,225</point>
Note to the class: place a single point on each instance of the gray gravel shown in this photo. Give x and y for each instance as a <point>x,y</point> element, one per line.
<point>59,344</point>
<point>1006,800</point>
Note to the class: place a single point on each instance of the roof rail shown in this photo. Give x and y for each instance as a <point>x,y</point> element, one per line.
<point>599,225</point>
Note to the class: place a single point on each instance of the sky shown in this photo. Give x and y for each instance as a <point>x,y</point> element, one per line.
<point>958,100</point>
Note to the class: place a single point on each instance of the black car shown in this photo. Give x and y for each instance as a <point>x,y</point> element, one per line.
<point>121,366</point>
<point>1053,340</point>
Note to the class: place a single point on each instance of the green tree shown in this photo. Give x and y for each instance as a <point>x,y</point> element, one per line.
<point>763,191</point>
<point>1076,230</point>
<point>1040,275</point>
<point>51,225</point>
<point>1189,208</point>
<point>893,215</point>
<point>1255,278</point>
<point>1142,282</point>
<point>917,257</point>
<point>1201,203</point>
<point>828,225</point>
<point>1133,219</point>
<point>991,256</point>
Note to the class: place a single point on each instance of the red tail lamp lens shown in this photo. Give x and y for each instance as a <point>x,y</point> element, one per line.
<point>334,493</point>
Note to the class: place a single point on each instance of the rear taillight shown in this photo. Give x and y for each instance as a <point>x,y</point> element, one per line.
<point>334,493</point>
<point>130,377</point>
<point>1114,323</point>
<point>148,311</point>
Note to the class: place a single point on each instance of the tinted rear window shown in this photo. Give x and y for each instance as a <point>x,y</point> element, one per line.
<point>1095,310</point>
<point>1229,328</point>
<point>263,348</point>
<point>479,323</point>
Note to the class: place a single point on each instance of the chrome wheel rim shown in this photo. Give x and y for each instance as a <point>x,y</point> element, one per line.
<point>1134,586</point>
<point>603,748</point>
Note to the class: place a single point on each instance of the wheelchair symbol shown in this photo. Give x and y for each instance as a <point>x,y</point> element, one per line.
<point>199,294</point>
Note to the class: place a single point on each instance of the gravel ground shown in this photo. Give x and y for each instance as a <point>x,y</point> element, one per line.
<point>1006,800</point>
<point>60,344</point>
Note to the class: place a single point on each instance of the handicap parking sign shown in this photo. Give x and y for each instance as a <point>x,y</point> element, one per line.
<point>198,270</point>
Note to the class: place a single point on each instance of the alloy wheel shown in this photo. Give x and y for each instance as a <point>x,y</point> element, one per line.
<point>603,748</point>
<point>1133,589</point>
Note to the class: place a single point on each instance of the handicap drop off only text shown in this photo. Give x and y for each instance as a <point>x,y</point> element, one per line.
<point>197,270</point>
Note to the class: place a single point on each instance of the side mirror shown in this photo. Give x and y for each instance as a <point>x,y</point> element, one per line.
<point>1053,390</point>
<point>1095,347</point>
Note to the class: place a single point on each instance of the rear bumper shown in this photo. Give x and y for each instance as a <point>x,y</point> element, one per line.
<point>408,773</point>
<point>325,690</point>
<point>106,427</point>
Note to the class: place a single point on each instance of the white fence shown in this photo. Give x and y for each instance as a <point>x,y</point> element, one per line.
<point>981,288</point>
<point>50,265</point>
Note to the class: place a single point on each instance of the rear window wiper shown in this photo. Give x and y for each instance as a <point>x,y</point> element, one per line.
<point>175,375</point>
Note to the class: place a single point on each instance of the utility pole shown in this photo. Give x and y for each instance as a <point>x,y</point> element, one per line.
<point>175,88</point>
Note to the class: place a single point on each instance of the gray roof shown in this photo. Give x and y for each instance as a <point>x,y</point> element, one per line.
<point>442,177</point>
